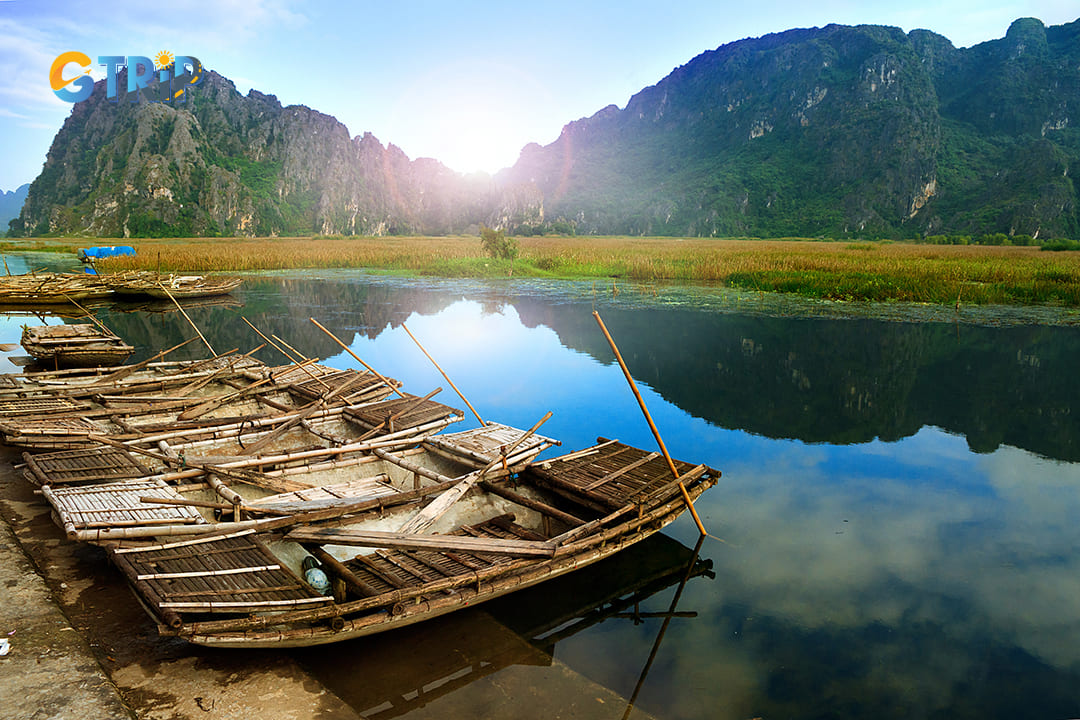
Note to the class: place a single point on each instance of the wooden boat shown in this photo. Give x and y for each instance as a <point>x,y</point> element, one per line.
<point>78,345</point>
<point>167,287</point>
<point>393,563</point>
<point>243,421</point>
<point>51,289</point>
<point>90,489</point>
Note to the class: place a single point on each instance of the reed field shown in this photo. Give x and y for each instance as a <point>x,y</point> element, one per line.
<point>878,271</point>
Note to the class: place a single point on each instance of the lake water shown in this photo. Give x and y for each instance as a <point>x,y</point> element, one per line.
<point>897,516</point>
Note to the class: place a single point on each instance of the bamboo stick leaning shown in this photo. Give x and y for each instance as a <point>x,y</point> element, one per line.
<point>652,425</point>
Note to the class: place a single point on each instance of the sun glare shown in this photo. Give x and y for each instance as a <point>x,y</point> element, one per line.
<point>470,118</point>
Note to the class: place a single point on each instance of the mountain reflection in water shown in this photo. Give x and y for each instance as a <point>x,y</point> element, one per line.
<point>898,504</point>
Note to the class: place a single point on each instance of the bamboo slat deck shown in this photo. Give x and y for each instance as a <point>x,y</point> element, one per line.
<point>314,381</point>
<point>363,386</point>
<point>49,432</point>
<point>397,414</point>
<point>224,574</point>
<point>117,504</point>
<point>610,476</point>
<point>480,446</point>
<point>83,465</point>
<point>386,570</point>
<point>40,406</point>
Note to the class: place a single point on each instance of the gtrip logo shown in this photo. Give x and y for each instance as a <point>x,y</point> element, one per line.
<point>163,79</point>
<point>83,84</point>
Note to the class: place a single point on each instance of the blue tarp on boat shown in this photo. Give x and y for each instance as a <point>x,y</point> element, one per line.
<point>104,251</point>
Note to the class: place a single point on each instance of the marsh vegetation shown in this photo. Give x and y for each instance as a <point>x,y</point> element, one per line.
<point>878,271</point>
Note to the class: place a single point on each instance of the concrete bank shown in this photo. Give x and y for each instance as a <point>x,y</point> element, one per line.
<point>49,670</point>
<point>83,649</point>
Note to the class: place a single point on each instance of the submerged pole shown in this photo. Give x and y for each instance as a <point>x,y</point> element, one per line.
<point>652,425</point>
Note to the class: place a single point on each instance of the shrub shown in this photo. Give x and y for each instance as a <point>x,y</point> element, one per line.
<point>497,245</point>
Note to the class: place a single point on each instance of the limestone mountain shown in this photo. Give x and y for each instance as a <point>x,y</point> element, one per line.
<point>838,131</point>
<point>11,202</point>
<point>228,164</point>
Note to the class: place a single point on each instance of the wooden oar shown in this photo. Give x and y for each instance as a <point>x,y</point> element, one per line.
<point>452,385</point>
<point>652,425</point>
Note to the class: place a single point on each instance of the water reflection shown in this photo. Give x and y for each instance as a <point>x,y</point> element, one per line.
<point>819,380</point>
<point>499,661</point>
<point>898,500</point>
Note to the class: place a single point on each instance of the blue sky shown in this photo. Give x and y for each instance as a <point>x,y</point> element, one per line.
<point>466,82</point>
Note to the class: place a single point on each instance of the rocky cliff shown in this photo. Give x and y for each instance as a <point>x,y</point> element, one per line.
<point>11,203</point>
<point>227,164</point>
<point>839,131</point>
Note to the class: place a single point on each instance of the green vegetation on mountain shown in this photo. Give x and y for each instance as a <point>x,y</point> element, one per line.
<point>841,132</point>
<point>838,132</point>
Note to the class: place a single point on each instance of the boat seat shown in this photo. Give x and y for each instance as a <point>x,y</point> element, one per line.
<point>102,463</point>
<point>89,508</point>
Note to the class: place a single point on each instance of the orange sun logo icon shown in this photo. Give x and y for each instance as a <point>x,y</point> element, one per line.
<point>163,59</point>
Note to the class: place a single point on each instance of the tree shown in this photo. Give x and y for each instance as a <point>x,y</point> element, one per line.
<point>497,245</point>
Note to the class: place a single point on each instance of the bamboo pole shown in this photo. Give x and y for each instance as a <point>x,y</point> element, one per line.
<point>193,325</point>
<point>357,357</point>
<point>214,402</point>
<point>652,425</point>
<point>300,365</point>
<point>452,385</point>
<point>188,502</point>
<point>289,347</point>
<point>304,413</point>
<point>128,369</point>
<point>238,474</point>
<point>663,629</point>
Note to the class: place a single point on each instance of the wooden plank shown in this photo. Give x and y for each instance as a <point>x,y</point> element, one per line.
<point>438,507</point>
<point>408,541</point>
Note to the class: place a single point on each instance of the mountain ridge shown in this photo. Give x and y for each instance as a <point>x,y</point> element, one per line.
<point>840,131</point>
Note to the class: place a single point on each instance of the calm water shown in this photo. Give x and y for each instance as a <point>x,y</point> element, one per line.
<point>898,507</point>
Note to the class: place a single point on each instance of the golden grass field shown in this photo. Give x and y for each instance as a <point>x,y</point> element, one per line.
<point>881,271</point>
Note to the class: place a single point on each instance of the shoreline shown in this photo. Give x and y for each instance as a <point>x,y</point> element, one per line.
<point>883,272</point>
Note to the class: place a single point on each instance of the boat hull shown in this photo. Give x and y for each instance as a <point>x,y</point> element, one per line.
<point>407,613</point>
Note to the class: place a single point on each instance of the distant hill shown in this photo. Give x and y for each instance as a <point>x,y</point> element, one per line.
<point>838,131</point>
<point>11,202</point>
